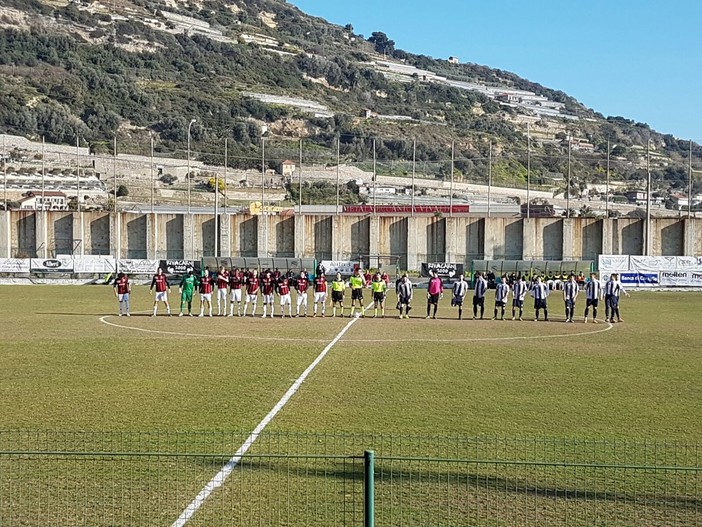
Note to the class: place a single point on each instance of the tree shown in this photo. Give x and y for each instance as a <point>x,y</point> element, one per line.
<point>213,182</point>
<point>382,43</point>
<point>122,191</point>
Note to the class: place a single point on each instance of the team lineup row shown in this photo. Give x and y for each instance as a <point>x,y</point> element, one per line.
<point>237,290</point>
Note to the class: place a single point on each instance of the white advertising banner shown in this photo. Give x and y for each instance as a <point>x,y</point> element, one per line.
<point>332,267</point>
<point>14,265</point>
<point>94,264</point>
<point>613,263</point>
<point>61,264</point>
<point>138,266</point>
<point>689,263</point>
<point>651,264</point>
<point>680,278</point>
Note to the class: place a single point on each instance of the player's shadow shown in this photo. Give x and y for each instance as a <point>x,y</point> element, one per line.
<point>91,315</point>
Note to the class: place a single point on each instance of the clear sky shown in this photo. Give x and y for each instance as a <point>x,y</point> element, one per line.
<point>638,59</point>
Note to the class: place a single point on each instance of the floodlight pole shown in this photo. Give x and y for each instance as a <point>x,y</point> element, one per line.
<point>528,204</point>
<point>648,198</point>
<point>414,169</point>
<point>489,177</point>
<point>607,183</point>
<point>453,159</point>
<point>192,122</point>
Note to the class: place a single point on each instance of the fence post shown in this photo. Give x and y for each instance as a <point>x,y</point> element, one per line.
<point>369,488</point>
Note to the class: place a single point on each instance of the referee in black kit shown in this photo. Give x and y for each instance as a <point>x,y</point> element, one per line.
<point>481,287</point>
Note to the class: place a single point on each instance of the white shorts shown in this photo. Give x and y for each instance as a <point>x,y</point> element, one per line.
<point>235,295</point>
<point>320,297</point>
<point>162,296</point>
<point>251,298</point>
<point>123,297</point>
<point>205,296</point>
<point>221,294</point>
<point>267,299</point>
<point>302,300</point>
<point>285,300</point>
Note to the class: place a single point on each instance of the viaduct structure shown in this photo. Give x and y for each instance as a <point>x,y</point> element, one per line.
<point>414,240</point>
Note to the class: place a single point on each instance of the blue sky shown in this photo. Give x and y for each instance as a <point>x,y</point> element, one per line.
<point>638,59</point>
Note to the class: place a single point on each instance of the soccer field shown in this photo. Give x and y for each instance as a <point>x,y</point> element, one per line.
<point>68,363</point>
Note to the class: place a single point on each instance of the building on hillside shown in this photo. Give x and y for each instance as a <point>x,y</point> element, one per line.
<point>680,202</point>
<point>454,60</point>
<point>287,168</point>
<point>48,200</point>
<point>637,197</point>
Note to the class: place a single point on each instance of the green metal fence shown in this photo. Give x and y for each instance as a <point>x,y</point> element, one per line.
<point>127,479</point>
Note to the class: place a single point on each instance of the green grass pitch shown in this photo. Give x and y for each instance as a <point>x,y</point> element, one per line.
<point>62,368</point>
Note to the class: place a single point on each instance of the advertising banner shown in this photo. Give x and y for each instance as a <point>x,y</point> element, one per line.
<point>636,279</point>
<point>94,264</point>
<point>652,264</point>
<point>179,267</point>
<point>14,265</point>
<point>442,269</point>
<point>138,266</point>
<point>613,263</point>
<point>332,267</point>
<point>689,263</point>
<point>680,278</point>
<point>61,264</point>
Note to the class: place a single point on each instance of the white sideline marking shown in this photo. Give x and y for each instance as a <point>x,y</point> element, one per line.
<point>227,469</point>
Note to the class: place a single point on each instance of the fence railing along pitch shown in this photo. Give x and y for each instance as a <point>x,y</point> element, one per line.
<point>298,478</point>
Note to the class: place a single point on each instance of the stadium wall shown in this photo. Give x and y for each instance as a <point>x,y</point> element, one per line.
<point>25,234</point>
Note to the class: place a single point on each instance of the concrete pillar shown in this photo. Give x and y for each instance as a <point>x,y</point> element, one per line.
<point>494,237</point>
<point>299,236</point>
<point>569,250</point>
<point>690,243</point>
<point>188,236</point>
<point>456,239</point>
<point>337,238</point>
<point>6,234</point>
<point>225,247</point>
<point>41,234</point>
<point>607,230</point>
<point>529,249</point>
<point>151,236</point>
<point>78,233</point>
<point>413,249</point>
<point>374,247</point>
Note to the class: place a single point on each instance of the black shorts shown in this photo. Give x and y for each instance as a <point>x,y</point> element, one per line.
<point>457,301</point>
<point>594,302</point>
<point>540,304</point>
<point>479,301</point>
<point>434,299</point>
<point>357,294</point>
<point>378,297</point>
<point>570,304</point>
<point>404,300</point>
<point>500,303</point>
<point>518,303</point>
<point>337,296</point>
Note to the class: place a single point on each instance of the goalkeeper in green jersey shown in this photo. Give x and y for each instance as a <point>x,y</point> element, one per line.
<point>187,287</point>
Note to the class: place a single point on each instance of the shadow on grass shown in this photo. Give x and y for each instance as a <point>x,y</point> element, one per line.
<point>352,470</point>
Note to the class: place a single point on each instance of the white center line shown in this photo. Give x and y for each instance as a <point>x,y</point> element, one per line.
<point>221,476</point>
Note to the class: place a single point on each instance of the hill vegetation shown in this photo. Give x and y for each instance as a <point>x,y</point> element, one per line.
<point>140,68</point>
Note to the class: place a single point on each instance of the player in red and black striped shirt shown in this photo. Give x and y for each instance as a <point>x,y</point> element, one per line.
<point>160,283</point>
<point>236,282</point>
<point>253,284</point>
<point>122,289</point>
<point>222,286</point>
<point>301,286</point>
<point>207,284</point>
<point>267,289</point>
<point>283,287</point>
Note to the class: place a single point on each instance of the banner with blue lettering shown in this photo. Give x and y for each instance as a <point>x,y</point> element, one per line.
<point>636,279</point>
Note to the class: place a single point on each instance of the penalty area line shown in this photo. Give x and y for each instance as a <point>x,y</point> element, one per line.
<point>221,476</point>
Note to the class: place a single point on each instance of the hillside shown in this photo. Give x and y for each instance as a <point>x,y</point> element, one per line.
<point>133,69</point>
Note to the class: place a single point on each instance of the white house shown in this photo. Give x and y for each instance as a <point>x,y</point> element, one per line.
<point>47,200</point>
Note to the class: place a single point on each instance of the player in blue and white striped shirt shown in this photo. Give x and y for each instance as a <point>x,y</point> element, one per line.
<point>570,295</point>
<point>519,291</point>
<point>540,293</point>
<point>501,295</point>
<point>613,290</point>
<point>593,293</point>
<point>481,287</point>
<point>460,289</point>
